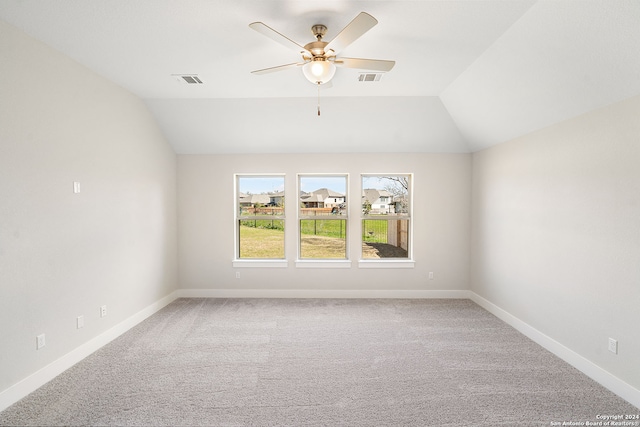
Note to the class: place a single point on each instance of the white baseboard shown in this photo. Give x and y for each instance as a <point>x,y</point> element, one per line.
<point>320,293</point>
<point>603,377</point>
<point>31,383</point>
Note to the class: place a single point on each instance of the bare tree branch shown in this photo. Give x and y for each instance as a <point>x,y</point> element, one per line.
<point>399,185</point>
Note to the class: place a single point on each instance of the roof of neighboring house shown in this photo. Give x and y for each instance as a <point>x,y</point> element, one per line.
<point>255,198</point>
<point>326,193</point>
<point>310,197</point>
<point>373,194</point>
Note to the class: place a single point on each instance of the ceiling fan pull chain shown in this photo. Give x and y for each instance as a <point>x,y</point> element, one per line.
<point>318,98</point>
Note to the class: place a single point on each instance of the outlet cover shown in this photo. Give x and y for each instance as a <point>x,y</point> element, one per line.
<point>80,322</point>
<point>103,311</point>
<point>613,346</point>
<point>40,342</point>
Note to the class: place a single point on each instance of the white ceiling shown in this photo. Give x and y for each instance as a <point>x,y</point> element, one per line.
<point>468,75</point>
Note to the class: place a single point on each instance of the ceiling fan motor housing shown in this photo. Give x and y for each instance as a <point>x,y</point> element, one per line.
<point>319,31</point>
<point>316,48</point>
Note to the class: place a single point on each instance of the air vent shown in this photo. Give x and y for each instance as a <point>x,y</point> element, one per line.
<point>370,77</point>
<point>190,79</point>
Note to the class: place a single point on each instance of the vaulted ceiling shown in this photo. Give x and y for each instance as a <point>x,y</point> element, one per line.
<point>468,74</point>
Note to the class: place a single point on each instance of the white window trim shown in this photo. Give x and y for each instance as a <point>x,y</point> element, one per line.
<point>260,263</point>
<point>386,263</point>
<point>323,263</point>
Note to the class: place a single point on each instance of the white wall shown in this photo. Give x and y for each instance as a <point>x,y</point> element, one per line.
<point>63,255</point>
<point>556,233</point>
<point>441,220</point>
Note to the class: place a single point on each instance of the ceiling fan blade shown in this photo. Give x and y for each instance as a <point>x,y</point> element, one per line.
<point>278,68</point>
<point>356,28</point>
<point>276,36</point>
<point>365,64</point>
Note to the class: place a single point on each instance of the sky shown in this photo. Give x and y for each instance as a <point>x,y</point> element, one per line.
<point>271,184</point>
<point>312,183</point>
<point>259,185</point>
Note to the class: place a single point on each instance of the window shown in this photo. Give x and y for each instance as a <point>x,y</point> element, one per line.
<point>322,215</point>
<point>386,209</point>
<point>260,217</point>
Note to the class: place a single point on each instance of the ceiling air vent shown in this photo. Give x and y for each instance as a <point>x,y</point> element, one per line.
<point>190,79</point>
<point>370,77</point>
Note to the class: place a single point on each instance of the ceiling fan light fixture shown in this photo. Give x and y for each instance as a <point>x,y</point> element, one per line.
<point>319,71</point>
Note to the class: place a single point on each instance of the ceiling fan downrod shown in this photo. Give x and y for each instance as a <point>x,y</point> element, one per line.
<point>318,98</point>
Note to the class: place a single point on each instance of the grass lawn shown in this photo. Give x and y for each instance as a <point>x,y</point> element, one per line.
<point>320,247</point>
<point>324,227</point>
<point>261,243</point>
<point>269,243</point>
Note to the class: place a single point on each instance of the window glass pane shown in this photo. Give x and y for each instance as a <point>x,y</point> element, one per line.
<point>386,195</point>
<point>261,238</point>
<point>323,216</point>
<point>260,218</point>
<point>323,195</point>
<point>260,196</point>
<point>385,238</point>
<point>323,239</point>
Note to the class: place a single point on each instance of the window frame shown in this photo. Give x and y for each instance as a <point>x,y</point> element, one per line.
<point>408,262</point>
<point>322,262</point>
<point>257,262</point>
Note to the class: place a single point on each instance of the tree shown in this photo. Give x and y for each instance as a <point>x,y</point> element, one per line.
<point>398,186</point>
<point>366,206</point>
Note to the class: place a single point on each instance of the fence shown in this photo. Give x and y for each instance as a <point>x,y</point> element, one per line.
<point>262,211</point>
<point>317,211</point>
<point>323,227</point>
<point>274,224</point>
<point>393,232</point>
<point>398,234</point>
<point>280,211</point>
<point>374,231</point>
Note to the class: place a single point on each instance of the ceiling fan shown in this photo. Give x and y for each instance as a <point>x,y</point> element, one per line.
<point>319,60</point>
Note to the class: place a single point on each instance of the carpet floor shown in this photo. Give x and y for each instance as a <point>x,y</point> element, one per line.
<point>319,362</point>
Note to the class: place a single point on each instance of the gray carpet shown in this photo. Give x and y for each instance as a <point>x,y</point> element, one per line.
<point>327,362</point>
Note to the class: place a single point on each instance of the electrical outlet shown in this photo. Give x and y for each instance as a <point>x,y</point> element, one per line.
<point>40,341</point>
<point>103,311</point>
<point>613,346</point>
<point>80,322</point>
<point>237,274</point>
<point>431,275</point>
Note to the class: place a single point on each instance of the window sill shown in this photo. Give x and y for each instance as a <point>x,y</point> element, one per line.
<point>260,263</point>
<point>323,264</point>
<point>391,263</point>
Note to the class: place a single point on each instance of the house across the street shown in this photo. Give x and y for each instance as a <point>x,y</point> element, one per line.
<point>322,198</point>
